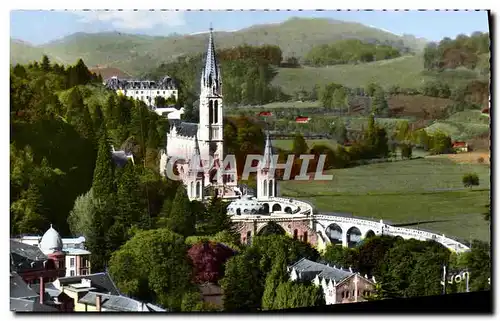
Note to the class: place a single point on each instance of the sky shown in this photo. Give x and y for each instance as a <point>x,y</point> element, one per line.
<point>38,27</point>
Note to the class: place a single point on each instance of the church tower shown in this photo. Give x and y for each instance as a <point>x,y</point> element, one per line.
<point>195,176</point>
<point>211,116</point>
<point>266,176</point>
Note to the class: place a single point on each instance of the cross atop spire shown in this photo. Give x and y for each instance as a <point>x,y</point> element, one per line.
<point>211,72</point>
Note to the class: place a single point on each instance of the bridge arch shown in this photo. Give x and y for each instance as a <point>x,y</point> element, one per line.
<point>369,234</point>
<point>276,207</point>
<point>271,228</point>
<point>266,208</point>
<point>353,236</point>
<point>288,209</point>
<point>334,233</point>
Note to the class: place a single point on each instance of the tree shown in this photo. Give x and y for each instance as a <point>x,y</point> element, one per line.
<point>208,260</point>
<point>78,115</point>
<point>413,268</point>
<point>45,63</point>
<point>372,88</point>
<point>80,217</point>
<point>103,182</point>
<point>470,179</point>
<point>158,269</point>
<point>441,143</point>
<point>215,218</point>
<point>339,131</point>
<point>243,283</point>
<point>340,99</point>
<point>130,203</point>
<point>380,106</point>
<point>296,295</point>
<point>406,150</point>
<point>277,276</point>
<point>326,95</point>
<point>371,254</point>
<point>299,145</point>
<point>340,256</point>
<point>402,131</point>
<point>98,235</point>
<point>180,219</point>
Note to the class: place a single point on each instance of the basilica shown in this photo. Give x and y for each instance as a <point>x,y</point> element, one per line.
<point>198,148</point>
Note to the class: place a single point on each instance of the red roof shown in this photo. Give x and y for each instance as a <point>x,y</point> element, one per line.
<point>302,119</point>
<point>265,113</point>
<point>485,111</point>
<point>459,144</point>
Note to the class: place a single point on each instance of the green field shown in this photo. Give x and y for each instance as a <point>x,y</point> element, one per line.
<point>405,72</point>
<point>428,191</point>
<point>287,144</point>
<point>462,125</point>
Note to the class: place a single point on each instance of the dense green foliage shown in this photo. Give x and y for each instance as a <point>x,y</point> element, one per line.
<point>157,268</point>
<point>463,51</point>
<point>470,179</point>
<point>349,51</point>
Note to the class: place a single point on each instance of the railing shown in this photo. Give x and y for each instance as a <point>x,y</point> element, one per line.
<point>397,231</point>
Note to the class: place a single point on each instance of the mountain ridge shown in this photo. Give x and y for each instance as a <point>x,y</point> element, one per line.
<point>137,53</point>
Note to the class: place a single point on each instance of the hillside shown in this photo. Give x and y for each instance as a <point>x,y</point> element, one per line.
<point>135,54</point>
<point>23,52</point>
<point>405,72</point>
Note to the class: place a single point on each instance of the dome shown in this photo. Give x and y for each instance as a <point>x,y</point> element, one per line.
<point>51,241</point>
<point>247,205</point>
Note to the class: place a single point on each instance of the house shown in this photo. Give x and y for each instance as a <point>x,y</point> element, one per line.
<point>70,251</point>
<point>33,265</point>
<point>460,147</point>
<point>24,298</point>
<point>100,302</point>
<point>302,120</point>
<point>339,285</point>
<point>98,292</point>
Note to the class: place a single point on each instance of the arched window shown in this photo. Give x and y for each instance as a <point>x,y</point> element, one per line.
<point>265,188</point>
<point>198,189</point>
<point>249,237</point>
<point>191,191</point>
<point>210,111</point>
<point>295,233</point>
<point>216,112</point>
<point>271,192</point>
<point>305,236</point>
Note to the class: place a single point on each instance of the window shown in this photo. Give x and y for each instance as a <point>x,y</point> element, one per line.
<point>136,92</point>
<point>142,91</point>
<point>158,92</point>
<point>72,273</point>
<point>164,92</point>
<point>72,262</point>
<point>84,272</point>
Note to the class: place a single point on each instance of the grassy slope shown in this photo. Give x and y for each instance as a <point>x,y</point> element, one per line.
<point>404,72</point>
<point>463,125</point>
<point>404,192</point>
<point>22,52</point>
<point>136,54</point>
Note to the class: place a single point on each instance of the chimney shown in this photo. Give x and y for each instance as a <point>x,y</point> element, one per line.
<point>42,290</point>
<point>98,301</point>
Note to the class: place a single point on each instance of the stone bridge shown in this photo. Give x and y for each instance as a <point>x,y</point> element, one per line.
<point>300,222</point>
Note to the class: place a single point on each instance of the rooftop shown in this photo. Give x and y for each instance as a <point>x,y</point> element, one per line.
<point>119,303</point>
<point>309,269</point>
<point>101,282</point>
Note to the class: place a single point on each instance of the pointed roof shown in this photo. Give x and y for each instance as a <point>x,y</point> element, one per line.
<point>211,69</point>
<point>268,159</point>
<point>196,158</point>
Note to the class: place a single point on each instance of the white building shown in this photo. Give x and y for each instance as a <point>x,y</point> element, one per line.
<point>77,258</point>
<point>198,148</point>
<point>147,91</point>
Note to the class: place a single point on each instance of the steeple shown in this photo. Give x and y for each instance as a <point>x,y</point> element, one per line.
<point>211,72</point>
<point>268,160</point>
<point>196,162</point>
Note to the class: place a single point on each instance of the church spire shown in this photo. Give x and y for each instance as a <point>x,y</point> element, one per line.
<point>211,72</point>
<point>196,160</point>
<point>268,160</point>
